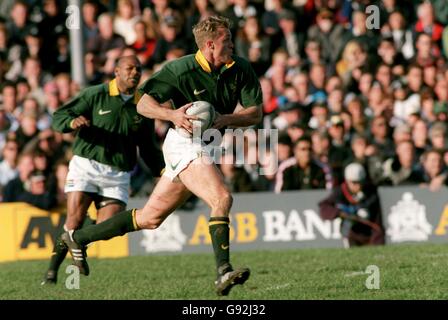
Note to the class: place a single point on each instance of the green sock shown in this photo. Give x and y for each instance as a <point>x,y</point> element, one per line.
<point>58,255</point>
<point>118,225</point>
<point>219,231</point>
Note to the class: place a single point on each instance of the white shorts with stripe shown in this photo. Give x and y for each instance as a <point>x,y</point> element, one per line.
<point>92,176</point>
<point>179,151</point>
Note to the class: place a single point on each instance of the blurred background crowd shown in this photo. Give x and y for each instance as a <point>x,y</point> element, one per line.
<point>340,84</point>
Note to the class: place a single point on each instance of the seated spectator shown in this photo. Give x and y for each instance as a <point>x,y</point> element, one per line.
<point>93,74</point>
<point>5,127</point>
<point>238,11</point>
<point>319,116</point>
<point>27,129</point>
<point>8,165</point>
<point>292,41</point>
<point>335,99</point>
<point>323,155</point>
<point>359,154</point>
<point>300,172</point>
<point>400,169</point>
<point>360,32</point>
<point>169,28</point>
<point>313,54</point>
<point>268,168</point>
<point>289,113</point>
<point>107,45</point>
<point>427,52</point>
<point>296,131</point>
<point>90,10</point>
<point>254,46</point>
<point>432,174</point>
<point>380,138</point>
<point>60,176</point>
<point>355,107</point>
<point>401,35</point>
<point>420,137</point>
<point>353,58</point>
<point>144,45</point>
<point>29,186</point>
<point>25,165</point>
<point>19,23</point>
<point>284,149</point>
<point>199,10</point>
<point>339,150</point>
<point>357,204</point>
<point>438,136</point>
<point>235,177</point>
<point>329,34</point>
<point>391,57</point>
<point>441,112</point>
<point>318,78</point>
<point>427,22</point>
<point>402,132</point>
<point>125,20</point>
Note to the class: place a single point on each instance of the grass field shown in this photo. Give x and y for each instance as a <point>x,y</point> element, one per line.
<point>406,272</point>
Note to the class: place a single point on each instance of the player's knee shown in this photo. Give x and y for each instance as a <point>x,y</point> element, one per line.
<point>223,202</point>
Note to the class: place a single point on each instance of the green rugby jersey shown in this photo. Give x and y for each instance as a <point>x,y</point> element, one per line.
<point>190,79</point>
<point>116,129</point>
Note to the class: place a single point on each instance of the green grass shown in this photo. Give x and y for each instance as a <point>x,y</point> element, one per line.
<point>407,272</point>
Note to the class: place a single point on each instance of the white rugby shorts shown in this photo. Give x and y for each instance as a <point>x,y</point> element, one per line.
<point>179,151</point>
<point>91,176</point>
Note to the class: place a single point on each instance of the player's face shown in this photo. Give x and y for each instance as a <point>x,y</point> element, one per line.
<point>128,74</point>
<point>354,186</point>
<point>223,48</point>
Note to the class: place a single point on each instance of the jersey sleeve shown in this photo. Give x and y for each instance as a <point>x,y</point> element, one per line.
<point>74,108</point>
<point>251,94</point>
<point>161,86</point>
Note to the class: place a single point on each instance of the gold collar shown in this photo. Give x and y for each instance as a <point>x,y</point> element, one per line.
<point>204,63</point>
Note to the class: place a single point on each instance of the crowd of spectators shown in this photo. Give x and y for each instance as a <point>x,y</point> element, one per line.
<point>340,83</point>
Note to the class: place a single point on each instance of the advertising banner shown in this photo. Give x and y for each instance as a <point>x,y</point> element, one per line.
<point>259,221</point>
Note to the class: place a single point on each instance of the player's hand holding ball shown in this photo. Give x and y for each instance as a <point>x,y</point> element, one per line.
<point>181,119</point>
<point>195,117</point>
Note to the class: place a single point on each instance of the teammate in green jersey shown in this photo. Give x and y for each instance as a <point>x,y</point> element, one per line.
<point>108,132</point>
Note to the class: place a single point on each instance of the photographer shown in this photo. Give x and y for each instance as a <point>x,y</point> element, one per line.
<point>356,202</point>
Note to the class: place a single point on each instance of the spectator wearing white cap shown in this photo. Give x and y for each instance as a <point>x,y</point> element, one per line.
<point>356,202</point>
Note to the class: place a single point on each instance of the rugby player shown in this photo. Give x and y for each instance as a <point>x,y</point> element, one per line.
<point>215,75</point>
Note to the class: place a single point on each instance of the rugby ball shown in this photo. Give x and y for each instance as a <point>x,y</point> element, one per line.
<point>206,116</point>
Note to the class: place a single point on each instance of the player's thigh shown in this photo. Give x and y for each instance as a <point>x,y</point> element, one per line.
<point>165,198</point>
<point>78,203</point>
<point>203,179</point>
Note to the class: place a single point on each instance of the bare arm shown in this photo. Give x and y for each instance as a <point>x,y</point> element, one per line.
<point>241,118</point>
<point>150,108</point>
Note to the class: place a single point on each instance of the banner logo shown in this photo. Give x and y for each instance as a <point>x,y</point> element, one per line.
<point>407,220</point>
<point>168,237</point>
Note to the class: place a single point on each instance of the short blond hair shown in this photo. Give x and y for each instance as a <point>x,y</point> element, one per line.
<point>209,29</point>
